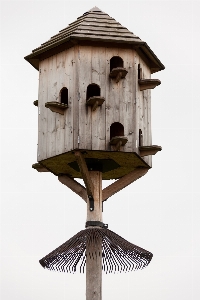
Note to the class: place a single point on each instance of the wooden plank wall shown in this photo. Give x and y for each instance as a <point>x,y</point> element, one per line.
<point>99,77</point>
<point>143,107</point>
<point>85,78</point>
<point>80,127</point>
<point>120,96</point>
<point>57,133</point>
<point>42,111</point>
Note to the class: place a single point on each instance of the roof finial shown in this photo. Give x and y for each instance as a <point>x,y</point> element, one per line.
<point>95,9</point>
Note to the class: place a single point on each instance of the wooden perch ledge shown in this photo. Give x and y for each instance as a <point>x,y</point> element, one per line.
<point>118,141</point>
<point>56,107</point>
<point>149,150</point>
<point>148,83</point>
<point>95,101</point>
<point>118,73</point>
<point>35,102</point>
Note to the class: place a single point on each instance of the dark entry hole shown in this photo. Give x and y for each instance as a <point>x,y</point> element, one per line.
<point>64,96</point>
<point>116,129</point>
<point>116,62</point>
<point>140,138</point>
<point>93,90</point>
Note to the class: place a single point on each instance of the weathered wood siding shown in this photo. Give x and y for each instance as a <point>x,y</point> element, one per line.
<point>57,133</point>
<point>143,107</point>
<point>80,127</point>
<point>92,70</point>
<point>120,98</point>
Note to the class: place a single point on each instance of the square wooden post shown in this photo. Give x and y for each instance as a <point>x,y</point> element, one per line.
<point>94,251</point>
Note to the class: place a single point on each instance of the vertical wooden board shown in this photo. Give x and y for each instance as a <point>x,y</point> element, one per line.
<point>102,111</point>
<point>149,137</point>
<point>141,112</point>
<point>112,97</point>
<point>146,99</point>
<point>68,77</point>
<point>123,93</point>
<point>132,89</point>
<point>85,78</point>
<point>42,111</point>
<point>75,94</point>
<point>60,119</point>
<point>51,116</point>
<point>126,98</point>
<point>137,103</point>
<point>131,80</point>
<point>143,106</point>
<point>98,116</point>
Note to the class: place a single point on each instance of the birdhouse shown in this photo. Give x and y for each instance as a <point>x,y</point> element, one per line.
<point>95,96</point>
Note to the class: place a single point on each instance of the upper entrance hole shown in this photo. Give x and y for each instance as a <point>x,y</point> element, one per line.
<point>116,62</point>
<point>93,90</point>
<point>116,129</point>
<point>64,96</point>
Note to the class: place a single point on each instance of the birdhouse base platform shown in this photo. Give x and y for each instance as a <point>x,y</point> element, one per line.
<point>113,164</point>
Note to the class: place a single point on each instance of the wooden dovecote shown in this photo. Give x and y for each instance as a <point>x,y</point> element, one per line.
<point>94,96</point>
<point>94,112</point>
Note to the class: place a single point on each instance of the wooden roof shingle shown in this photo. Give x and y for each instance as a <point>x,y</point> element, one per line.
<point>93,25</point>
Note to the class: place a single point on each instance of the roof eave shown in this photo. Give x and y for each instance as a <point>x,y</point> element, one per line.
<point>156,63</point>
<point>61,45</point>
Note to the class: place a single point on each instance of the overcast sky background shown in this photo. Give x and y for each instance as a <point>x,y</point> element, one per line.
<point>160,212</point>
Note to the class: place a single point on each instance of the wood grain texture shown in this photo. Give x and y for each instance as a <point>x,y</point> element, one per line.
<point>96,214</point>
<point>85,79</point>
<point>42,110</point>
<point>94,251</point>
<point>148,83</point>
<point>149,150</point>
<point>68,79</point>
<point>98,116</point>
<point>60,118</point>
<point>94,270</point>
<point>85,173</point>
<point>51,116</point>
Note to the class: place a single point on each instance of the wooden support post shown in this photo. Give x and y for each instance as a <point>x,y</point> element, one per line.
<point>94,262</point>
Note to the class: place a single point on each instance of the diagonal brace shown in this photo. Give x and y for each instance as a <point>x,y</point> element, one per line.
<point>123,182</point>
<point>74,186</point>
<point>85,174</point>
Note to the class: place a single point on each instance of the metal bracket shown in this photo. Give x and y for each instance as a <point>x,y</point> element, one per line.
<point>96,223</point>
<point>91,200</point>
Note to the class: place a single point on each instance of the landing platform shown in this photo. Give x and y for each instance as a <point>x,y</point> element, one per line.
<point>112,164</point>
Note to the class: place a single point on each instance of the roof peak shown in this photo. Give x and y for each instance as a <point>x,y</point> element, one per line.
<point>92,26</point>
<point>95,8</point>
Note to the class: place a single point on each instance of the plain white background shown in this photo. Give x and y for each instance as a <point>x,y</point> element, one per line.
<point>160,212</point>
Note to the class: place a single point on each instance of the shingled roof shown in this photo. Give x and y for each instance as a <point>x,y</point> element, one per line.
<point>93,25</point>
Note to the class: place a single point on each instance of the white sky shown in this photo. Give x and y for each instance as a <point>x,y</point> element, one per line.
<point>160,212</point>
